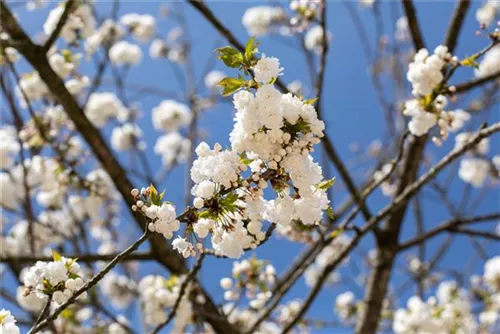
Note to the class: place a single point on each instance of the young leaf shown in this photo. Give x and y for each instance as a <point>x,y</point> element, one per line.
<point>231,85</point>
<point>230,56</point>
<point>250,49</point>
<point>311,101</point>
<point>336,233</point>
<point>330,213</point>
<point>327,184</point>
<point>470,62</point>
<point>56,256</point>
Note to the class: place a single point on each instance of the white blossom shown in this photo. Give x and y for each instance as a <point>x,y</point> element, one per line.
<point>8,323</point>
<point>260,19</point>
<point>486,14</point>
<point>173,148</point>
<point>125,53</point>
<point>474,171</point>
<point>80,23</point>
<point>9,146</point>
<point>171,115</point>
<point>402,33</point>
<point>267,68</point>
<point>143,27</point>
<point>490,63</point>
<point>165,219</point>
<point>101,107</point>
<point>424,72</point>
<point>126,136</point>
<point>314,39</point>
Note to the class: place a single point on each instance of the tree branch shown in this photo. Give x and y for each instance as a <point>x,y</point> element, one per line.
<point>90,283</point>
<point>464,87</point>
<point>68,9</point>
<point>447,226</point>
<point>416,34</point>
<point>456,24</point>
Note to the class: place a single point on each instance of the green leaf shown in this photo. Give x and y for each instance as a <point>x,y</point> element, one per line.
<point>66,53</point>
<point>470,62</point>
<point>330,213</point>
<point>250,49</point>
<point>311,101</point>
<point>244,159</point>
<point>326,184</point>
<point>230,56</point>
<point>154,197</point>
<point>336,233</point>
<point>160,197</point>
<point>232,85</point>
<point>56,256</point>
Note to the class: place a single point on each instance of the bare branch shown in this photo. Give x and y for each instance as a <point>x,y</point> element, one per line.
<point>456,24</point>
<point>447,226</point>
<point>68,9</point>
<point>416,34</point>
<point>464,87</point>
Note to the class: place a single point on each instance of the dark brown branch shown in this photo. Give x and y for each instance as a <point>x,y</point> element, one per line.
<point>474,233</point>
<point>464,87</point>
<point>456,24</point>
<point>68,9</point>
<point>416,34</point>
<point>447,226</point>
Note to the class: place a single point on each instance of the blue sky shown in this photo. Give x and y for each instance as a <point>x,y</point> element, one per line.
<point>351,113</point>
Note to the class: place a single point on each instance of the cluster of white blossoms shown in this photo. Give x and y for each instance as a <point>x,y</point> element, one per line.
<point>108,33</point>
<point>254,277</point>
<point>157,294</point>
<point>58,279</point>
<point>490,63</point>
<point>487,13</point>
<point>162,215</point>
<point>273,136</point>
<point>402,33</point>
<point>171,116</point>
<point>125,53</point>
<point>142,27</point>
<point>245,318</point>
<point>426,74</point>
<point>127,136</point>
<point>9,146</point>
<point>313,40</point>
<point>31,88</point>
<point>104,106</point>
<point>475,166</point>
<point>346,305</point>
<point>450,312</point>
<point>8,323</point>
<point>488,288</point>
<point>387,187</point>
<point>260,20</point>
<point>120,289</point>
<point>315,270</point>
<point>79,25</point>
<point>172,48</point>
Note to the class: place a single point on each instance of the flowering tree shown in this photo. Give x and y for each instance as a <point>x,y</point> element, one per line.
<point>76,176</point>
